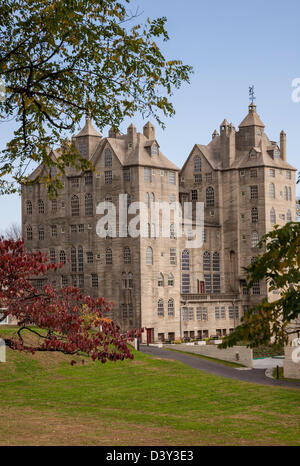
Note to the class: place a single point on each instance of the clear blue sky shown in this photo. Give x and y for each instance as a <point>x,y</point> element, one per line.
<point>231,44</point>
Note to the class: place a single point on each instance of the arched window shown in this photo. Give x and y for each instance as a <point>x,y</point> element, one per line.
<point>41,206</point>
<point>124,280</point>
<point>127,255</point>
<point>206,260</point>
<point>108,256</point>
<point>160,280</point>
<point>160,307</point>
<point>149,256</point>
<point>147,199</point>
<point>29,235</point>
<point>80,259</point>
<point>130,280</point>
<point>75,206</point>
<point>272,191</point>
<point>171,307</point>
<point>28,207</point>
<point>152,199</point>
<point>197,164</point>
<point>185,260</point>
<point>62,257</point>
<point>170,279</point>
<point>254,239</point>
<point>216,262</point>
<point>88,201</point>
<point>73,259</point>
<point>107,158</point>
<point>210,197</point>
<point>289,216</point>
<point>254,215</point>
<point>286,193</point>
<point>272,216</point>
<point>54,205</point>
<point>41,233</point>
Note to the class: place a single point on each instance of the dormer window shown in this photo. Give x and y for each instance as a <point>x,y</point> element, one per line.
<point>154,149</point>
<point>276,154</point>
<point>253,154</point>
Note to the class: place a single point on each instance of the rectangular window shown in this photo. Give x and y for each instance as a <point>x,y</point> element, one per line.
<point>199,313</point>
<point>198,178</point>
<point>95,282</point>
<point>172,177</point>
<point>191,313</point>
<point>204,314</point>
<point>75,182</point>
<point>253,173</point>
<point>147,174</point>
<point>217,283</point>
<point>194,194</point>
<point>88,179</point>
<point>217,313</point>
<point>73,228</point>
<point>256,288</point>
<point>208,176</point>
<point>207,279</point>
<point>254,192</point>
<point>272,172</point>
<point>185,313</point>
<point>64,280</point>
<point>108,177</point>
<point>126,174</point>
<point>185,283</point>
<point>89,257</point>
<point>81,228</point>
<point>288,175</point>
<point>124,311</point>
<point>54,230</point>
<point>223,312</point>
<point>130,310</point>
<point>172,256</point>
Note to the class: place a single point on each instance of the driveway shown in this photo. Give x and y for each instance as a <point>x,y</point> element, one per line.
<point>245,375</point>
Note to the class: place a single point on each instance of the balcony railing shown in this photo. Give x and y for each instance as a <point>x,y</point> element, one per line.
<point>210,297</point>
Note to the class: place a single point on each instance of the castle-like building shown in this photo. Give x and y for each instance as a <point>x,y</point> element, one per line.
<point>155,282</point>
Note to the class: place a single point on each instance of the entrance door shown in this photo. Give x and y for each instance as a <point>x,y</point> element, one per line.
<point>149,335</point>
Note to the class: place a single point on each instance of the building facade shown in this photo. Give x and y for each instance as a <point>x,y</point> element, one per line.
<point>155,282</point>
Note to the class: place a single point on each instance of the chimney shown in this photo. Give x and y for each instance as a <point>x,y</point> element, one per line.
<point>149,131</point>
<point>283,145</point>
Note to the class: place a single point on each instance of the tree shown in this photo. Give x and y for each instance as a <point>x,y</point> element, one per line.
<point>13,232</point>
<point>64,320</point>
<point>64,59</point>
<point>279,265</point>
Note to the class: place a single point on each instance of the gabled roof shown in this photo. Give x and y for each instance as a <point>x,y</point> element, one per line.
<point>88,130</point>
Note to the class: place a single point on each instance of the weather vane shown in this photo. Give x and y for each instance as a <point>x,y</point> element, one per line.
<point>251,94</point>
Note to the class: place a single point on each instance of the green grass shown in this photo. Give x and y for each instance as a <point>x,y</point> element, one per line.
<point>147,401</point>
<point>208,358</point>
<point>281,375</point>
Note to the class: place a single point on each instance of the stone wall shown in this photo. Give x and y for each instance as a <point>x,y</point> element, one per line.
<point>291,369</point>
<point>245,355</point>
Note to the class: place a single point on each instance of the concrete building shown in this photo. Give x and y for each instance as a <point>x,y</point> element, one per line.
<point>158,283</point>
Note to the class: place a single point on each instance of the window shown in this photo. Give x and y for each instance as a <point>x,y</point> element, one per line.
<point>172,256</point>
<point>108,177</point>
<point>73,228</point>
<point>108,256</point>
<point>206,261</point>
<point>210,197</point>
<point>130,280</point>
<point>107,158</point>
<point>253,173</point>
<point>88,179</point>
<point>185,260</point>
<point>95,281</point>
<point>256,288</point>
<point>124,280</point>
<point>191,313</point>
<point>73,259</point>
<point>290,194</point>
<point>154,149</point>
<point>124,311</point>
<point>216,284</point>
<point>198,179</point>
<point>41,207</point>
<point>41,233</point>
<point>197,164</point>
<point>217,313</point>
<point>289,216</point>
<point>62,257</point>
<point>254,215</point>
<point>171,307</point>
<point>172,231</point>
<point>126,174</point>
<point>272,191</point>
<point>149,256</point>
<point>233,313</point>
<point>147,174</point>
<point>153,232</point>
<point>64,280</point>
<point>127,255</point>
<point>130,310</point>
<point>75,206</point>
<point>146,197</point>
<point>272,172</point>
<point>81,282</point>
<point>185,313</point>
<point>207,280</point>
<point>254,239</point>
<point>160,308</point>
<point>216,262</point>
<point>223,312</point>
<point>52,256</point>
<point>74,280</point>
<point>172,199</point>
<point>272,216</point>
<point>81,228</point>
<point>80,259</point>
<point>152,199</point>
<point>160,280</point>
<point>90,257</point>
<point>88,202</point>
<point>75,182</point>
<point>253,192</point>
<point>194,194</point>
<point>172,177</point>
<point>54,206</point>
<point>29,189</point>
<point>185,283</point>
<point>208,177</point>
<point>28,207</point>
<point>288,175</point>
<point>286,193</point>
<point>170,279</point>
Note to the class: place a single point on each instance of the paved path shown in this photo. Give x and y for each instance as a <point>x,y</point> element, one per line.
<point>253,375</point>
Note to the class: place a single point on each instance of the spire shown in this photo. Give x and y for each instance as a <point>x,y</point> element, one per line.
<point>252,119</point>
<point>88,129</point>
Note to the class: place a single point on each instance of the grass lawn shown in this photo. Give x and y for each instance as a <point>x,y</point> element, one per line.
<point>147,401</point>
<point>208,358</point>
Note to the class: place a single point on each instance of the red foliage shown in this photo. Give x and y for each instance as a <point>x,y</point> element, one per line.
<point>74,324</point>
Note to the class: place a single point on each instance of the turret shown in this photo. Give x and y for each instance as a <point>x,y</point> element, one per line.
<point>149,131</point>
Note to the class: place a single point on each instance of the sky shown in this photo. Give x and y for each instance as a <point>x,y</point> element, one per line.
<point>231,45</point>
